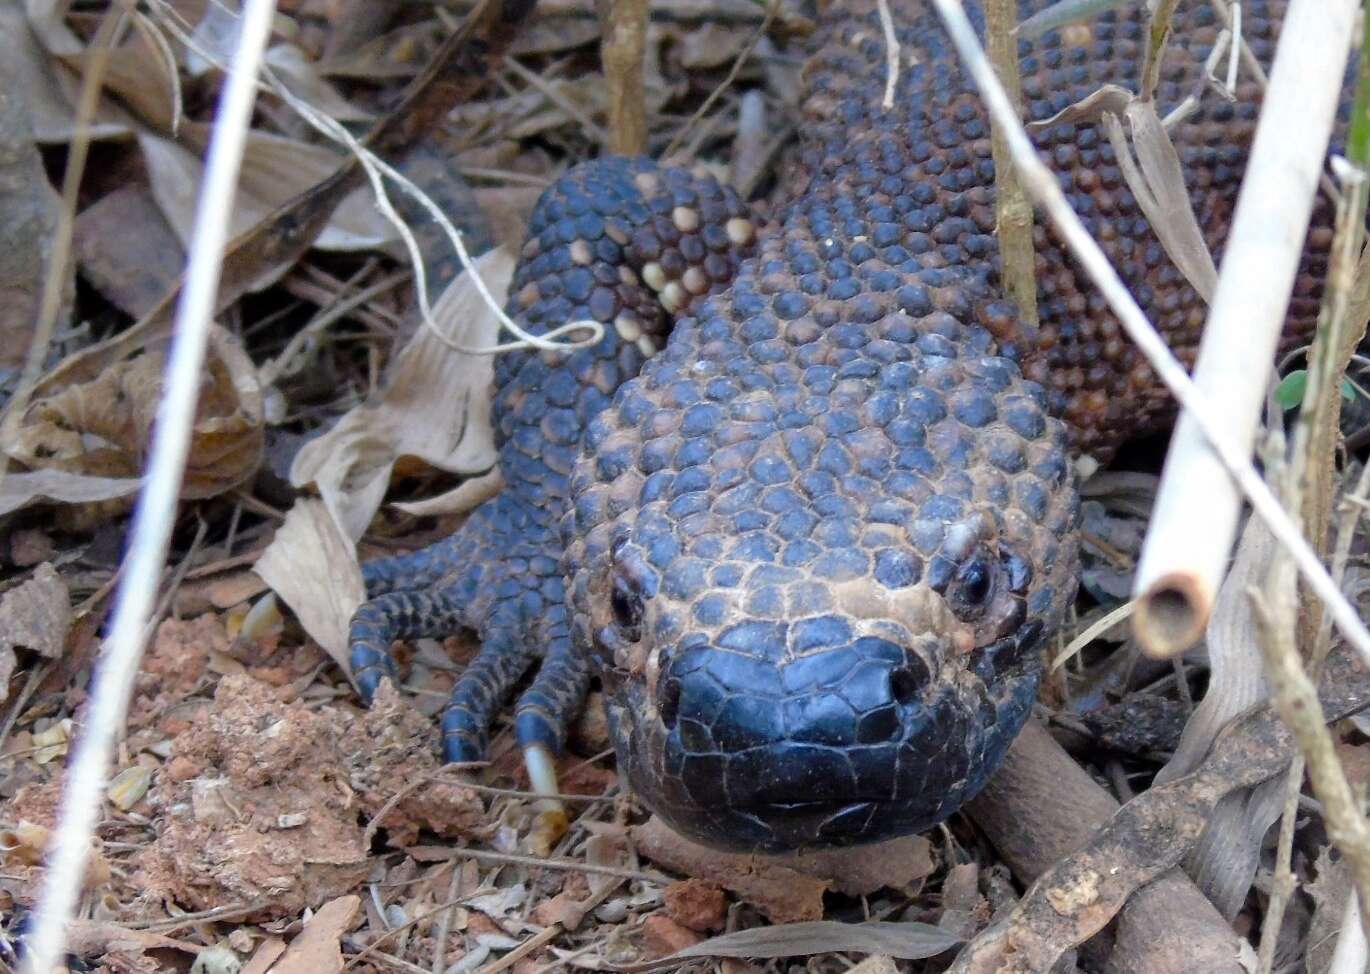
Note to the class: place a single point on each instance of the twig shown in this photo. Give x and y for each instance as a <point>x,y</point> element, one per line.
<point>1013,212</point>
<point>156,511</point>
<point>1233,456</point>
<point>1190,538</point>
<point>622,48</point>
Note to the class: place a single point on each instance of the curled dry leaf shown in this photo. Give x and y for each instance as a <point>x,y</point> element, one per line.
<point>275,170</point>
<point>100,428</point>
<point>313,567</point>
<point>35,615</point>
<point>435,407</point>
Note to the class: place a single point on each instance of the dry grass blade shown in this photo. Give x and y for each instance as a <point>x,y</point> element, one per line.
<point>1157,182</point>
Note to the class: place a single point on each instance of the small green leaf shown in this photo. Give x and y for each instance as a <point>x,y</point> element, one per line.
<point>1289,393</point>
<point>1348,391</point>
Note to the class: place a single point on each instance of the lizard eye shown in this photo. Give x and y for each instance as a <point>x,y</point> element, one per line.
<point>973,587</point>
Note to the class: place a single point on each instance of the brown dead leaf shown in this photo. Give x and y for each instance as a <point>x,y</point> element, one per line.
<point>313,567</point>
<point>35,615</point>
<point>436,407</point>
<point>317,950</point>
<point>270,950</point>
<point>101,428</point>
<point>275,170</point>
<point>139,74</point>
<point>28,212</point>
<point>127,249</point>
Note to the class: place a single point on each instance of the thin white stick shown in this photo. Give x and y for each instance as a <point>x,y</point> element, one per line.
<point>1042,185</point>
<point>156,511</point>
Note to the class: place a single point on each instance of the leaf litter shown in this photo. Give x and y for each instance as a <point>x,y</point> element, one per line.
<point>302,832</point>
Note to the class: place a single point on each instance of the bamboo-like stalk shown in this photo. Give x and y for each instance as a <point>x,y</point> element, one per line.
<point>151,532</point>
<point>624,41</point>
<point>1232,453</point>
<point>1195,517</point>
<point>1012,209</point>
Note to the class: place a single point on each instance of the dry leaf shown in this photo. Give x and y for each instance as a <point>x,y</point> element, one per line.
<point>49,87</point>
<point>313,567</point>
<point>466,496</point>
<point>127,250</point>
<point>317,950</point>
<point>139,74</point>
<point>28,212</point>
<point>1157,182</point>
<point>302,77</point>
<point>271,948</point>
<point>35,615</point>
<point>275,170</point>
<point>101,428</point>
<point>436,407</point>
<point>21,489</point>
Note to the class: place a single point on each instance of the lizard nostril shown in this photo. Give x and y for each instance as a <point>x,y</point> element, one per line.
<point>907,682</point>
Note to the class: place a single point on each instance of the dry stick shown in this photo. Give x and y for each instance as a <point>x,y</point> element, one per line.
<point>622,49</point>
<point>1234,456</point>
<point>156,511</point>
<point>1191,534</point>
<point>1012,210</point>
